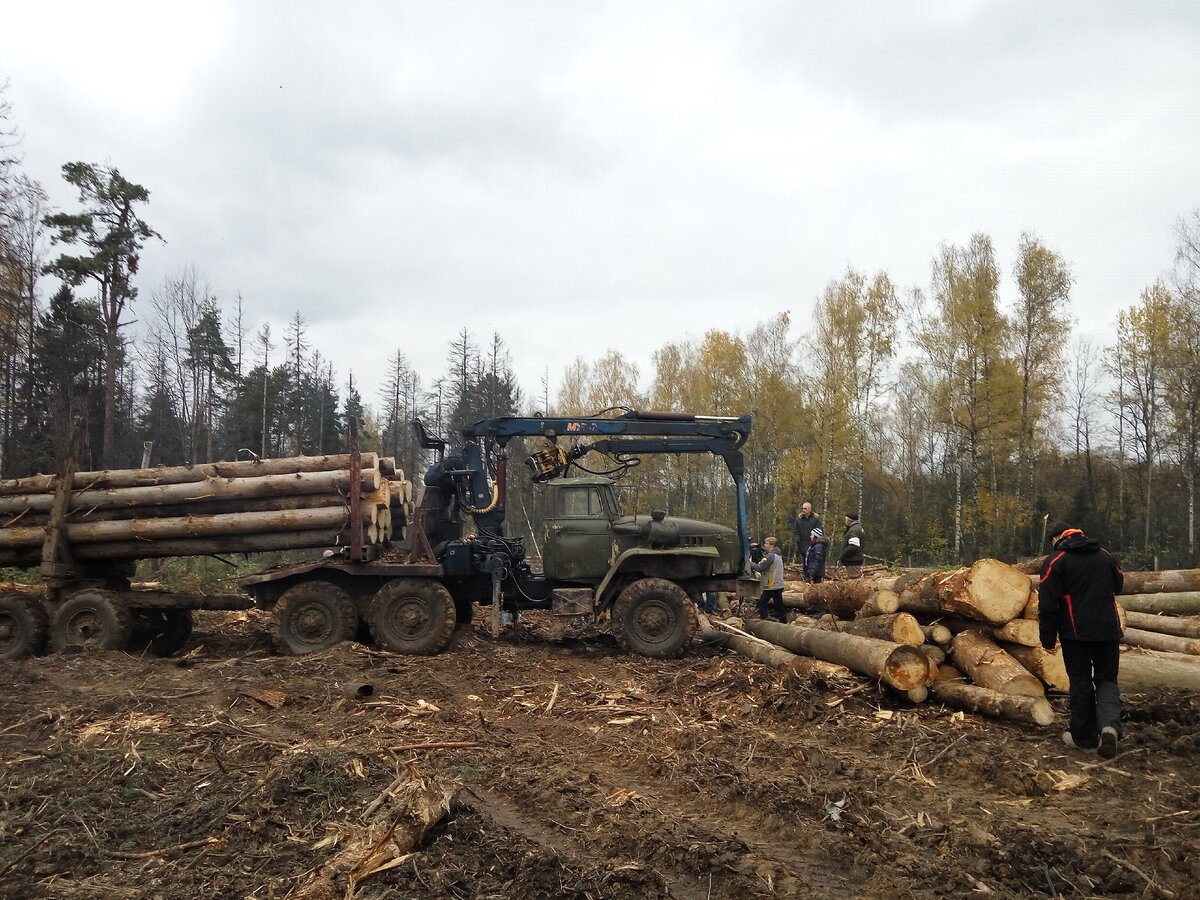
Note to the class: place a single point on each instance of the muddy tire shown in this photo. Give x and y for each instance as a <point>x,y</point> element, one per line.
<point>23,626</point>
<point>654,617</point>
<point>161,631</point>
<point>91,620</point>
<point>413,616</point>
<point>313,616</point>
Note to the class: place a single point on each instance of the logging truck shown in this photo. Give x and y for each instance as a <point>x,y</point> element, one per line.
<point>86,530</point>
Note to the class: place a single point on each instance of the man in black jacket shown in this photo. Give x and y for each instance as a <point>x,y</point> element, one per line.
<point>806,520</point>
<point>1077,602</point>
<point>852,544</point>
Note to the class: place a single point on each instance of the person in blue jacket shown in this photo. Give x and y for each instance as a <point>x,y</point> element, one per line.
<point>815,556</point>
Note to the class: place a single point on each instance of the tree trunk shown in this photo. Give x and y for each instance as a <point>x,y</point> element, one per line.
<point>937,634</point>
<point>1014,708</point>
<point>990,667</point>
<point>898,665</point>
<point>1048,667</point>
<point>1153,640</point>
<point>1181,603</point>
<point>1183,627</point>
<point>127,478</point>
<point>1019,631</point>
<point>768,654</point>
<point>898,628</point>
<point>1147,669</point>
<point>334,482</point>
<point>1177,580</point>
<point>187,526</point>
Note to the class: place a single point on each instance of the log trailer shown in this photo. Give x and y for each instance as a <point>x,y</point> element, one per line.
<point>642,571</point>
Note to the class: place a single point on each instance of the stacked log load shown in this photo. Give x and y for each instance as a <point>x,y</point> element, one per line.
<point>288,503</point>
<point>968,636</point>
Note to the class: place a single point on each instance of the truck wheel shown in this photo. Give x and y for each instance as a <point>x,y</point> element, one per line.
<point>23,623</point>
<point>91,620</point>
<point>313,616</point>
<point>654,617</point>
<point>411,615</point>
<point>161,631</point>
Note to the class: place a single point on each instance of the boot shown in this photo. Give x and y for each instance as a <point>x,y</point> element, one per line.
<point>1108,742</point>
<point>1070,742</point>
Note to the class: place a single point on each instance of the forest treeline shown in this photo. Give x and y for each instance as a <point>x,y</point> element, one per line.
<point>956,423</point>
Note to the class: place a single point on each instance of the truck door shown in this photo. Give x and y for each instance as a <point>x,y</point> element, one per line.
<point>577,540</point>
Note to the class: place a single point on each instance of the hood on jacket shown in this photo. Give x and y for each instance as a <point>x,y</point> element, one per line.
<point>1078,543</point>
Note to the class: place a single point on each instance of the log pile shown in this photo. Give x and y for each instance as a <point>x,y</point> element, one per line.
<point>227,507</point>
<point>976,631</point>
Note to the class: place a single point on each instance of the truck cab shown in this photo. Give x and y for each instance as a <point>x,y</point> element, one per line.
<point>587,541</point>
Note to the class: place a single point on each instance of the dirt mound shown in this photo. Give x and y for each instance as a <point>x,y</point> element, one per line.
<point>546,763</point>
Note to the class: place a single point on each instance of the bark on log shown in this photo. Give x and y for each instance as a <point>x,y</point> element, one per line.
<point>186,526</point>
<point>123,478</point>
<point>1012,707</point>
<point>1148,669</point>
<point>845,597</point>
<point>768,654</point>
<point>899,665</point>
<point>156,549</point>
<point>1184,603</point>
<point>898,628</point>
<point>1171,581</point>
<point>937,634</point>
<point>989,666</point>
<point>1153,640</point>
<point>335,482</point>
<point>207,508</point>
<point>1019,631</point>
<point>1183,627</point>
<point>933,653</point>
<point>1048,667</point>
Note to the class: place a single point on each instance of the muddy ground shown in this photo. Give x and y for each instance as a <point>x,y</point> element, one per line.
<point>548,764</point>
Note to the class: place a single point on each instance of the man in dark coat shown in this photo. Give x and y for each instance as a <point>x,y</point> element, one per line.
<point>1077,604</point>
<point>802,526</point>
<point>852,542</point>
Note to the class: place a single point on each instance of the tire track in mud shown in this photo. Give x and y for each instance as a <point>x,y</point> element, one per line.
<point>722,837</point>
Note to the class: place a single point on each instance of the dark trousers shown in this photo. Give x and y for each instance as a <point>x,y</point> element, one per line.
<point>773,596</point>
<point>1095,697</point>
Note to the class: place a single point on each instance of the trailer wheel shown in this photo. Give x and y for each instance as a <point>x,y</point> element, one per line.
<point>91,620</point>
<point>654,617</point>
<point>161,631</point>
<point>23,623</point>
<point>312,616</point>
<point>411,615</point>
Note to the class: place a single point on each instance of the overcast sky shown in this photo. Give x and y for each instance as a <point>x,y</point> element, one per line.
<point>591,176</point>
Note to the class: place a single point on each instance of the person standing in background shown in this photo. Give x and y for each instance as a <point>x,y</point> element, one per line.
<point>852,544</point>
<point>806,520</point>
<point>814,558</point>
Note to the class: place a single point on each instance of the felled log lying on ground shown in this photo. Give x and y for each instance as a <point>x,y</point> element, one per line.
<point>1046,666</point>
<point>987,590</point>
<point>1180,604</point>
<point>988,665</point>
<point>1153,640</point>
<point>766,653</point>
<point>899,628</point>
<point>1183,627</point>
<point>993,703</point>
<point>1148,669</point>
<point>898,665</point>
